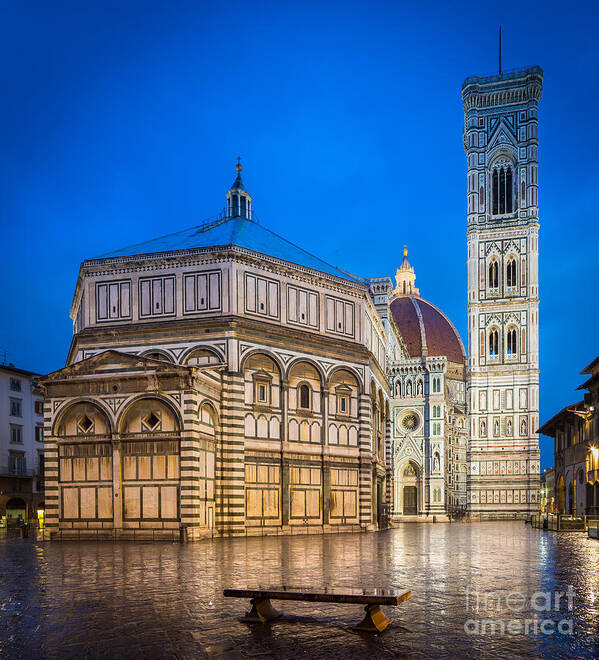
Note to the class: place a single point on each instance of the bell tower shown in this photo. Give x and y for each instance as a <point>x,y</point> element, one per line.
<point>501,145</point>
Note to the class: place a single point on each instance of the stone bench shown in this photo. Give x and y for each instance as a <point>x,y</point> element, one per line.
<point>373,621</point>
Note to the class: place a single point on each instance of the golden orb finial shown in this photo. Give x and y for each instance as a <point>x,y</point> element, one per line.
<point>405,250</point>
<point>238,167</point>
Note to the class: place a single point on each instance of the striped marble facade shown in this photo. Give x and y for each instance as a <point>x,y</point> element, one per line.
<point>264,425</point>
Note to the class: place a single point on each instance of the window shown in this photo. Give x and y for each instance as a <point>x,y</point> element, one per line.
<point>436,428</point>
<point>235,205</point>
<point>436,384</point>
<point>85,425</point>
<point>502,194</point>
<point>261,392</point>
<point>15,385</point>
<point>16,434</point>
<point>113,300</point>
<point>343,404</point>
<point>436,411</point>
<point>39,407</point>
<point>15,408</point>
<point>493,342</point>
<point>39,433</point>
<point>511,341</point>
<point>16,463</point>
<point>493,275</point>
<point>202,291</point>
<point>40,461</point>
<point>157,296</point>
<point>304,397</point>
<point>511,272</point>
<point>152,422</point>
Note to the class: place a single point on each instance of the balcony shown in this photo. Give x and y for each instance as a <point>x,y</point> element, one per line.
<point>17,471</point>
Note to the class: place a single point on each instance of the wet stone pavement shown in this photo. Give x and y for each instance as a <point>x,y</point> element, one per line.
<point>164,600</point>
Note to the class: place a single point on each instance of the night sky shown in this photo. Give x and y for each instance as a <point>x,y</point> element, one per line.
<point>122,122</point>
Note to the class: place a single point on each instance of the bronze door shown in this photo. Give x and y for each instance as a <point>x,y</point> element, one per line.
<point>409,501</point>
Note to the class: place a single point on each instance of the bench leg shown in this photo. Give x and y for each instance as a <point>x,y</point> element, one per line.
<point>261,612</point>
<point>374,620</point>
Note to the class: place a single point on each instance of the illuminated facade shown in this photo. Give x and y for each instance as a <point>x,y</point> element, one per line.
<point>500,140</point>
<point>225,379</point>
<point>575,430</point>
<point>21,445</point>
<point>428,401</point>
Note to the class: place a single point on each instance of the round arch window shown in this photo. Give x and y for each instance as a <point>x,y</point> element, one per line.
<point>408,422</point>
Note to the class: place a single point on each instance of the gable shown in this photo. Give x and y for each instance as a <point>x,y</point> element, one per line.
<point>502,135</point>
<point>110,362</point>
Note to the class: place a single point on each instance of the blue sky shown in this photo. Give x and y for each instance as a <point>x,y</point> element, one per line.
<point>122,122</point>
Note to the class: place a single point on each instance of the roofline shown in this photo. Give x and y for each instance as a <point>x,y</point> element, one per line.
<point>513,74</point>
<point>173,366</point>
<point>231,247</point>
<point>591,381</point>
<point>16,370</point>
<point>589,368</point>
<point>553,421</point>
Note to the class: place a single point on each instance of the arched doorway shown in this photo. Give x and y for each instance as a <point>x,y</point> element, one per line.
<point>570,499</point>
<point>15,508</point>
<point>41,515</point>
<point>409,494</point>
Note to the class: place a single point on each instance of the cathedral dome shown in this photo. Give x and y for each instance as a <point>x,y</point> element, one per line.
<point>426,330</point>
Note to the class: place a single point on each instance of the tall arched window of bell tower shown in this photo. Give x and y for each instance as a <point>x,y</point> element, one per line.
<point>493,274</point>
<point>512,338</point>
<point>502,189</point>
<point>493,342</point>
<point>510,272</point>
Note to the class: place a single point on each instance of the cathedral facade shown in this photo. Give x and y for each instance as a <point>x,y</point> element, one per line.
<point>223,379</point>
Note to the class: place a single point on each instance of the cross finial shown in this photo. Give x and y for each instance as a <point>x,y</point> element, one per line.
<point>405,250</point>
<point>238,167</point>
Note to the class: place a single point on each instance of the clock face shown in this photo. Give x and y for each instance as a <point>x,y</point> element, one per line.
<point>408,422</point>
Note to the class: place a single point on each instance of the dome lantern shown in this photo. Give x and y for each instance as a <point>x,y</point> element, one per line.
<point>405,278</point>
<point>239,200</point>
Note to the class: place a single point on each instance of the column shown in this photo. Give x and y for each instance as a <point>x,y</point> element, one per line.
<point>117,492</point>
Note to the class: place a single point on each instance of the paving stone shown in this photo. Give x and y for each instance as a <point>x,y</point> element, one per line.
<point>152,600</point>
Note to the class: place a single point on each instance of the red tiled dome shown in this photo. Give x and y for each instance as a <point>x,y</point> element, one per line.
<point>426,330</point>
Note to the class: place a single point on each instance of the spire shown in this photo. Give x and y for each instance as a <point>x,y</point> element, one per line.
<point>405,278</point>
<point>500,50</point>
<point>238,183</point>
<point>405,263</point>
<point>239,201</point>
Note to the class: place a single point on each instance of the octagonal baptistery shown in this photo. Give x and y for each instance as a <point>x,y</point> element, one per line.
<point>219,378</point>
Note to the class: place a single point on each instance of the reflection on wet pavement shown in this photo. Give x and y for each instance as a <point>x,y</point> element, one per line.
<point>137,600</point>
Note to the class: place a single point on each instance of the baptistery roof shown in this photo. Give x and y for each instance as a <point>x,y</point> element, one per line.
<point>425,330</point>
<point>239,232</point>
<point>236,227</point>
